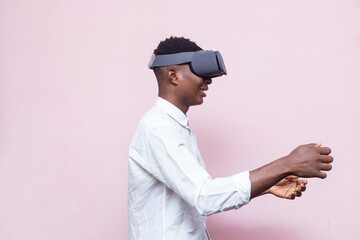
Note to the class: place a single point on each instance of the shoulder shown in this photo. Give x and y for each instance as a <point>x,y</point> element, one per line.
<point>154,127</point>
<point>156,118</point>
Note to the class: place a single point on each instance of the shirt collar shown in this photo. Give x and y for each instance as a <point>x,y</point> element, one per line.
<point>172,111</point>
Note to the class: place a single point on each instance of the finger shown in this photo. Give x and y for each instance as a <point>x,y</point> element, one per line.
<point>301,182</point>
<point>321,175</point>
<point>326,158</point>
<point>325,150</point>
<point>298,194</point>
<point>325,167</point>
<point>318,144</point>
<point>302,187</point>
<point>297,191</point>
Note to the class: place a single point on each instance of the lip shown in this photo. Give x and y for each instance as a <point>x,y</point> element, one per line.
<point>203,91</point>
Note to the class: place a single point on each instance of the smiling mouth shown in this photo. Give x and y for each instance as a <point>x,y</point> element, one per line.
<point>203,90</point>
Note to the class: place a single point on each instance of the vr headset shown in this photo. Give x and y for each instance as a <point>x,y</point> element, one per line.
<point>205,64</point>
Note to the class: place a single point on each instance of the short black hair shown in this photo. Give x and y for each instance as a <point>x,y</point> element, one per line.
<point>176,45</point>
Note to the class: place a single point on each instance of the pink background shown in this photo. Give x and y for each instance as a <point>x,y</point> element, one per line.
<point>74,84</point>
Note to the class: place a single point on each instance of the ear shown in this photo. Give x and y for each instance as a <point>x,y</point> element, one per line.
<point>173,75</point>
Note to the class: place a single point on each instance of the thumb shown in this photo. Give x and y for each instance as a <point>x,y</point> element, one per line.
<point>292,177</point>
<point>318,144</point>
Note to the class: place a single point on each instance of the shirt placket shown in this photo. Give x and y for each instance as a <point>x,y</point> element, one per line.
<point>191,140</point>
<point>194,150</point>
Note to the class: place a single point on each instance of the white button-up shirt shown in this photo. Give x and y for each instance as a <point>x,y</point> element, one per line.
<point>170,191</point>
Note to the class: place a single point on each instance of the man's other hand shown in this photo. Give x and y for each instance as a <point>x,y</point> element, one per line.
<point>289,187</point>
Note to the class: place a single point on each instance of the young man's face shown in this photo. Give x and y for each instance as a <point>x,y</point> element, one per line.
<point>192,87</point>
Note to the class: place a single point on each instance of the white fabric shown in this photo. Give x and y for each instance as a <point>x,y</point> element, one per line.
<point>170,192</point>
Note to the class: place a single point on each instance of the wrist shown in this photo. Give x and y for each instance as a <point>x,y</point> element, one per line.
<point>286,168</point>
<point>267,191</point>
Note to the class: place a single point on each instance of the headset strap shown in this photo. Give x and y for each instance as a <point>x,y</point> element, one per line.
<point>170,59</point>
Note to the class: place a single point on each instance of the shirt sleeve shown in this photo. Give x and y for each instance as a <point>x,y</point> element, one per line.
<point>222,194</point>
<point>172,163</point>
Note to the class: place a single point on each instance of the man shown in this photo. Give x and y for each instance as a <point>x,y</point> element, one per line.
<point>170,191</point>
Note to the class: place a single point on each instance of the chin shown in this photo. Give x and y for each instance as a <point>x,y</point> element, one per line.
<point>199,102</point>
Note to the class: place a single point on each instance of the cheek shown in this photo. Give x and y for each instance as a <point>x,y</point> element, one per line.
<point>196,87</point>
<point>191,84</point>
<point>196,82</point>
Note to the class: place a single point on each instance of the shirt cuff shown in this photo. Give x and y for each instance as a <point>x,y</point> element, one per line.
<point>243,185</point>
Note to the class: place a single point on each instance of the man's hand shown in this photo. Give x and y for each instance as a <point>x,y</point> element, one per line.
<point>289,187</point>
<point>307,161</point>
<point>310,161</point>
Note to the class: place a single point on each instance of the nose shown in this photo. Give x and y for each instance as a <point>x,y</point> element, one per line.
<point>208,81</point>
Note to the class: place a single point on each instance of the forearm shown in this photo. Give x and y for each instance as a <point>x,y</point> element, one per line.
<point>266,176</point>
